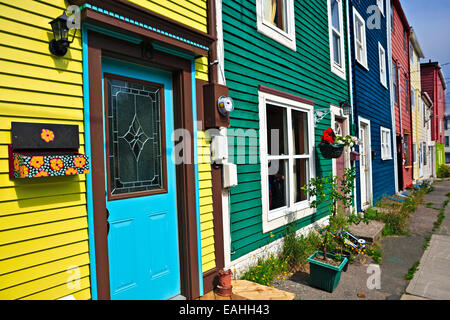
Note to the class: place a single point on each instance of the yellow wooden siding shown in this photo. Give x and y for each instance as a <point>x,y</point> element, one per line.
<point>201,68</point>
<point>43,222</point>
<point>417,117</point>
<point>206,208</point>
<point>191,13</point>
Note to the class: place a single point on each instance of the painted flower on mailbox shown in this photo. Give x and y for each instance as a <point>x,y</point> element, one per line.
<point>37,162</point>
<point>24,171</point>
<point>42,173</point>
<point>47,135</point>
<point>79,162</point>
<point>56,164</point>
<point>16,164</point>
<point>71,171</point>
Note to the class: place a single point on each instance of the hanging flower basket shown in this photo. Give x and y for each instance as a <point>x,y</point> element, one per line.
<point>331,150</point>
<point>332,147</point>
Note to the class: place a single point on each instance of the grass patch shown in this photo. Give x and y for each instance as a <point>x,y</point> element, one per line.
<point>412,270</point>
<point>266,270</point>
<point>293,257</point>
<point>427,242</point>
<point>375,252</point>
<point>297,249</point>
<point>440,216</point>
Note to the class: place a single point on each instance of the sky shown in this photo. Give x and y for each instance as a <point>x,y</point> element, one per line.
<point>430,20</point>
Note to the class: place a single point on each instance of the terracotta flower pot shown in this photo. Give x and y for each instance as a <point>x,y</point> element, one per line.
<point>224,288</point>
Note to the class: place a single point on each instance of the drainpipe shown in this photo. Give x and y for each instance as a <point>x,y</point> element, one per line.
<point>350,81</point>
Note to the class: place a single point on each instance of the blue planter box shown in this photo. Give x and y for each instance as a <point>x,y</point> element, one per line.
<point>322,275</point>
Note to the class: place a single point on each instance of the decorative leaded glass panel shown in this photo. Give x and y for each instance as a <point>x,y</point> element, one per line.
<point>135,139</point>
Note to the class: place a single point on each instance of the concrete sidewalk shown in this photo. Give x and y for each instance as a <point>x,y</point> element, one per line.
<point>432,279</point>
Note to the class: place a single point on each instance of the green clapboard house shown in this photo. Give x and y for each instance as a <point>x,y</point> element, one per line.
<point>286,65</point>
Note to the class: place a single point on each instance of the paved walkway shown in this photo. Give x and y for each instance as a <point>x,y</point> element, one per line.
<point>399,255</point>
<point>432,279</point>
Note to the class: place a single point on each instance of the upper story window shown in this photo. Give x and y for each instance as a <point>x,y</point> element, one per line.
<point>276,19</point>
<point>360,38</point>
<point>395,81</point>
<point>405,41</point>
<point>407,97</point>
<point>411,53</point>
<point>336,30</point>
<point>380,4</point>
<point>382,57</point>
<point>392,19</point>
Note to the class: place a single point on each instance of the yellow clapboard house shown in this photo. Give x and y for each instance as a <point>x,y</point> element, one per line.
<point>44,235</point>
<point>418,108</point>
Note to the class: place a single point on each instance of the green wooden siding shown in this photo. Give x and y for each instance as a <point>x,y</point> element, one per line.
<point>253,59</point>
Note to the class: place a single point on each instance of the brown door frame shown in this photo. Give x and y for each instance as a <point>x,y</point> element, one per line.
<point>100,46</point>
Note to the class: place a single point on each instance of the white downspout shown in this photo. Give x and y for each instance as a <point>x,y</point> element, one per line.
<point>350,79</point>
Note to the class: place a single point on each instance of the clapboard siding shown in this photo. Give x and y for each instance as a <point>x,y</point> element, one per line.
<point>417,113</point>
<point>206,202</point>
<point>372,100</point>
<point>192,13</point>
<point>43,222</point>
<point>252,59</point>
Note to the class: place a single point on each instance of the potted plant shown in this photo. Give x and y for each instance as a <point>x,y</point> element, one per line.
<point>332,146</point>
<point>326,267</point>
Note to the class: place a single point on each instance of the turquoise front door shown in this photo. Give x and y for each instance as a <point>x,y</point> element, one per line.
<point>140,182</point>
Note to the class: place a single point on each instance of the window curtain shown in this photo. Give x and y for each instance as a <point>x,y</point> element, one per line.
<point>269,10</point>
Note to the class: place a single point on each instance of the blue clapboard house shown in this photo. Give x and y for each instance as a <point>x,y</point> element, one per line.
<point>373,119</point>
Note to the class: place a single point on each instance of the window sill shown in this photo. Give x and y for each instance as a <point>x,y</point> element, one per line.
<point>362,65</point>
<point>277,35</point>
<point>338,71</point>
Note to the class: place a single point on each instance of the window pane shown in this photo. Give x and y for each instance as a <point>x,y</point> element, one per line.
<point>277,184</point>
<point>337,48</point>
<point>276,130</point>
<point>300,132</point>
<point>135,144</point>
<point>300,178</point>
<point>274,12</point>
<point>335,15</point>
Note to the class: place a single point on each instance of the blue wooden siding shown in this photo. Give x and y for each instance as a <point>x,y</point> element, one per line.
<point>372,100</point>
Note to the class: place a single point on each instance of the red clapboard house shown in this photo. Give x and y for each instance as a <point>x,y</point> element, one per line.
<point>433,83</point>
<point>400,32</point>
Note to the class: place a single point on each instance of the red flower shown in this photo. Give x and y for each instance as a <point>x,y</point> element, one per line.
<point>328,136</point>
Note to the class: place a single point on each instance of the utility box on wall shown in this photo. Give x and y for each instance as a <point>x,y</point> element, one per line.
<point>45,149</point>
<point>211,94</point>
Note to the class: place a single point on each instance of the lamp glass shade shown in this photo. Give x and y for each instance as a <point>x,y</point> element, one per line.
<point>60,28</point>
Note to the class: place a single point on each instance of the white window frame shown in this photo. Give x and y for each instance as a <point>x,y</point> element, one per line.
<point>382,59</point>
<point>414,152</point>
<point>380,4</point>
<point>276,218</point>
<point>336,68</point>
<point>268,29</point>
<point>363,44</point>
<point>386,145</point>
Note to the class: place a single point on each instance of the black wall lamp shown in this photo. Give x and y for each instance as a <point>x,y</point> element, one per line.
<point>346,107</point>
<point>58,46</point>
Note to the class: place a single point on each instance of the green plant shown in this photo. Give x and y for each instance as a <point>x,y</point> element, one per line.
<point>297,249</point>
<point>427,242</point>
<point>375,252</point>
<point>412,270</point>
<point>266,270</point>
<point>336,190</point>
<point>443,171</point>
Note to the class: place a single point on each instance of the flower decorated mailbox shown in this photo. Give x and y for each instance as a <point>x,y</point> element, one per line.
<point>44,149</point>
